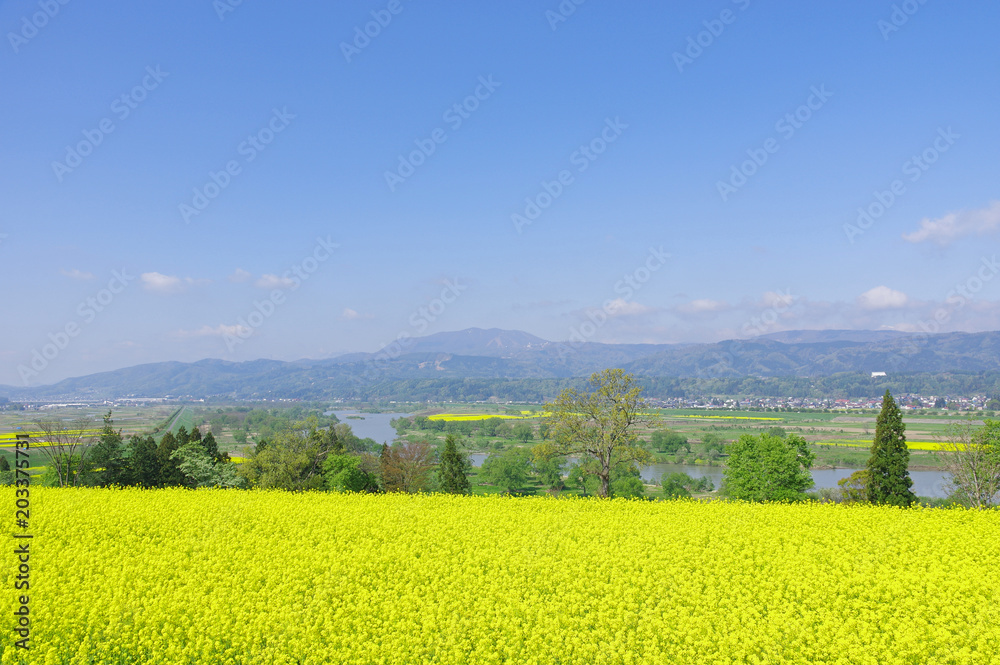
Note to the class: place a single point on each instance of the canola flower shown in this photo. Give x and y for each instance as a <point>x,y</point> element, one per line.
<point>860,443</point>
<point>232,577</point>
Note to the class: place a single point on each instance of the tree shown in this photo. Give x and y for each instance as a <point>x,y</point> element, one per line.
<point>601,424</point>
<point>522,432</point>
<point>675,485</point>
<point>888,474</point>
<point>66,446</point>
<point>668,441</point>
<point>292,460</point>
<point>508,470</point>
<point>854,488</point>
<point>407,467</point>
<point>453,471</point>
<point>972,457</point>
<point>170,472</point>
<point>351,473</point>
<point>201,470</point>
<point>143,465</point>
<point>768,468</point>
<point>548,465</point>
<point>939,403</point>
<point>106,464</point>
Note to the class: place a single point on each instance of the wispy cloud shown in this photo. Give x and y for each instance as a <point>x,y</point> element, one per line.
<point>702,305</point>
<point>240,275</point>
<point>351,315</point>
<point>160,283</point>
<point>945,230</point>
<point>269,281</point>
<point>220,330</point>
<point>79,275</point>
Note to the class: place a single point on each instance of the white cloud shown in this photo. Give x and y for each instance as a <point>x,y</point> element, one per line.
<point>240,275</point>
<point>882,297</point>
<point>221,330</point>
<point>702,305</point>
<point>269,281</point>
<point>160,283</point>
<point>622,307</point>
<point>77,274</point>
<point>952,226</point>
<point>351,315</point>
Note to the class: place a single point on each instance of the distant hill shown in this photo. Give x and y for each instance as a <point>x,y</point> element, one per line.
<point>496,354</point>
<point>821,336</point>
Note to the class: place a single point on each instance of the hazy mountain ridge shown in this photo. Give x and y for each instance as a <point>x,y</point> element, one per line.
<point>500,354</point>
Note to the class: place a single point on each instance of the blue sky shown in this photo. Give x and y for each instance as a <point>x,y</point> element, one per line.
<point>628,125</point>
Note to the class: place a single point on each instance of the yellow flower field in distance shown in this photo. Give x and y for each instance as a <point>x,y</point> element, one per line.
<point>224,576</point>
<point>858,443</point>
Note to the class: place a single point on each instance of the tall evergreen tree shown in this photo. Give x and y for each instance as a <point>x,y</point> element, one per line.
<point>108,455</point>
<point>453,469</point>
<point>888,476</point>
<point>170,472</point>
<point>144,466</point>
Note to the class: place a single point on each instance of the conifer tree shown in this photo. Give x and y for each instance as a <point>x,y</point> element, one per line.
<point>453,469</point>
<point>888,476</point>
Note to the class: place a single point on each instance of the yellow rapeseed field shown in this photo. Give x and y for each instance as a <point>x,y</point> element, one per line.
<point>223,576</point>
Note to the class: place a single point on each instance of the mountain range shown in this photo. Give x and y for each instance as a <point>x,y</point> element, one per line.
<point>495,354</point>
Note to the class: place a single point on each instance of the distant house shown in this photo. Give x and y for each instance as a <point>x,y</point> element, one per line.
<point>875,374</point>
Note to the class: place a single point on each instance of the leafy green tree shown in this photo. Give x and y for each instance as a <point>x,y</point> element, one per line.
<point>668,441</point>
<point>548,465</point>
<point>888,473</point>
<point>972,457</point>
<point>627,483</point>
<point>6,474</point>
<point>508,470</point>
<point>601,423</point>
<point>676,485</point>
<point>522,432</point>
<point>292,460</point>
<point>201,470</point>
<point>854,488</point>
<point>453,470</point>
<point>768,468</point>
<point>351,473</point>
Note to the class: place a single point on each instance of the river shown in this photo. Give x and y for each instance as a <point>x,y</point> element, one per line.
<point>925,483</point>
<point>370,425</point>
<point>376,426</point>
